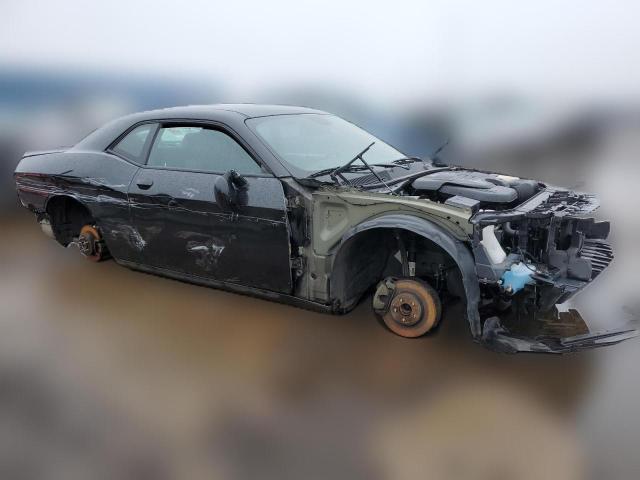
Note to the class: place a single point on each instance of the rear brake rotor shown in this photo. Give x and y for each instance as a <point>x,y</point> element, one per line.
<point>91,244</point>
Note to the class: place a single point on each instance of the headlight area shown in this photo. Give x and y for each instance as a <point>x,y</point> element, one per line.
<point>530,260</point>
<point>560,252</point>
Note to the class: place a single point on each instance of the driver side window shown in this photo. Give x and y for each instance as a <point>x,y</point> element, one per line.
<point>202,149</point>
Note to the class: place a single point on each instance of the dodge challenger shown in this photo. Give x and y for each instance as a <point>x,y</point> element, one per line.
<point>300,206</point>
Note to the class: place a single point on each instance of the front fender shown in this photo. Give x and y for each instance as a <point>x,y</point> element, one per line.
<point>458,251</point>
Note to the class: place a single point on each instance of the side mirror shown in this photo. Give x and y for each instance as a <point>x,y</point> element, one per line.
<point>237,180</point>
<point>230,190</point>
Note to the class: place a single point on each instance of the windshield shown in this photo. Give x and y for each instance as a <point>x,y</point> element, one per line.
<point>312,142</point>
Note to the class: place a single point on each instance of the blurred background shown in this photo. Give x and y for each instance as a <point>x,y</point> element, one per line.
<point>107,373</point>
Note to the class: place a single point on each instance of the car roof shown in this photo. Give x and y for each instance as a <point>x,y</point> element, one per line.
<point>233,115</point>
<point>247,110</point>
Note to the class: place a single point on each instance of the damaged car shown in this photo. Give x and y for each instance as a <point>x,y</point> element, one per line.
<point>300,206</point>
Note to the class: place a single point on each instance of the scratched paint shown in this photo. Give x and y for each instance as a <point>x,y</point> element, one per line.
<point>190,192</point>
<point>206,254</point>
<point>130,235</point>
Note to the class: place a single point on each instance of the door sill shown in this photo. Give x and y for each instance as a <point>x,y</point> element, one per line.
<point>231,287</point>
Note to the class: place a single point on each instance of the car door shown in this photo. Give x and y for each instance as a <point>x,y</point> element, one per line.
<point>195,218</point>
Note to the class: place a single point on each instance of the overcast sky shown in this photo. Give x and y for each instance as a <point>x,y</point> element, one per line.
<point>393,50</point>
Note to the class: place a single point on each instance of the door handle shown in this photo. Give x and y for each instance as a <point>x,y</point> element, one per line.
<point>144,183</point>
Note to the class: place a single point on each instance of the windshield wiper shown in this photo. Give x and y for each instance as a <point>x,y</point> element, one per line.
<point>327,171</point>
<point>349,167</point>
<point>399,163</point>
<point>406,160</point>
<point>336,173</point>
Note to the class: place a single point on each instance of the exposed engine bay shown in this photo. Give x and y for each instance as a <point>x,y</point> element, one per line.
<point>491,190</point>
<point>535,247</point>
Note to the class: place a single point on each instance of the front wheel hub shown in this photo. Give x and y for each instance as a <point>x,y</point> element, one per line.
<point>409,307</point>
<point>406,309</point>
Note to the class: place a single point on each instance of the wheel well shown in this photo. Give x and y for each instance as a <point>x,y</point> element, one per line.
<point>67,216</point>
<point>371,255</point>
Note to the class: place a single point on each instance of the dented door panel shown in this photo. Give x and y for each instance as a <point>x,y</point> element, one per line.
<point>182,228</point>
<point>171,214</point>
<point>259,238</point>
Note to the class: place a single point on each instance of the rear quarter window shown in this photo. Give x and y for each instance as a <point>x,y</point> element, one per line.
<point>132,146</point>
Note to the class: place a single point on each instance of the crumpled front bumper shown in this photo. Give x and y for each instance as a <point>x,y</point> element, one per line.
<point>533,323</point>
<point>566,251</point>
<point>557,332</point>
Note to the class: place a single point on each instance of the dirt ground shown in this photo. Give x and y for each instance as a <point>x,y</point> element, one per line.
<point>110,373</point>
